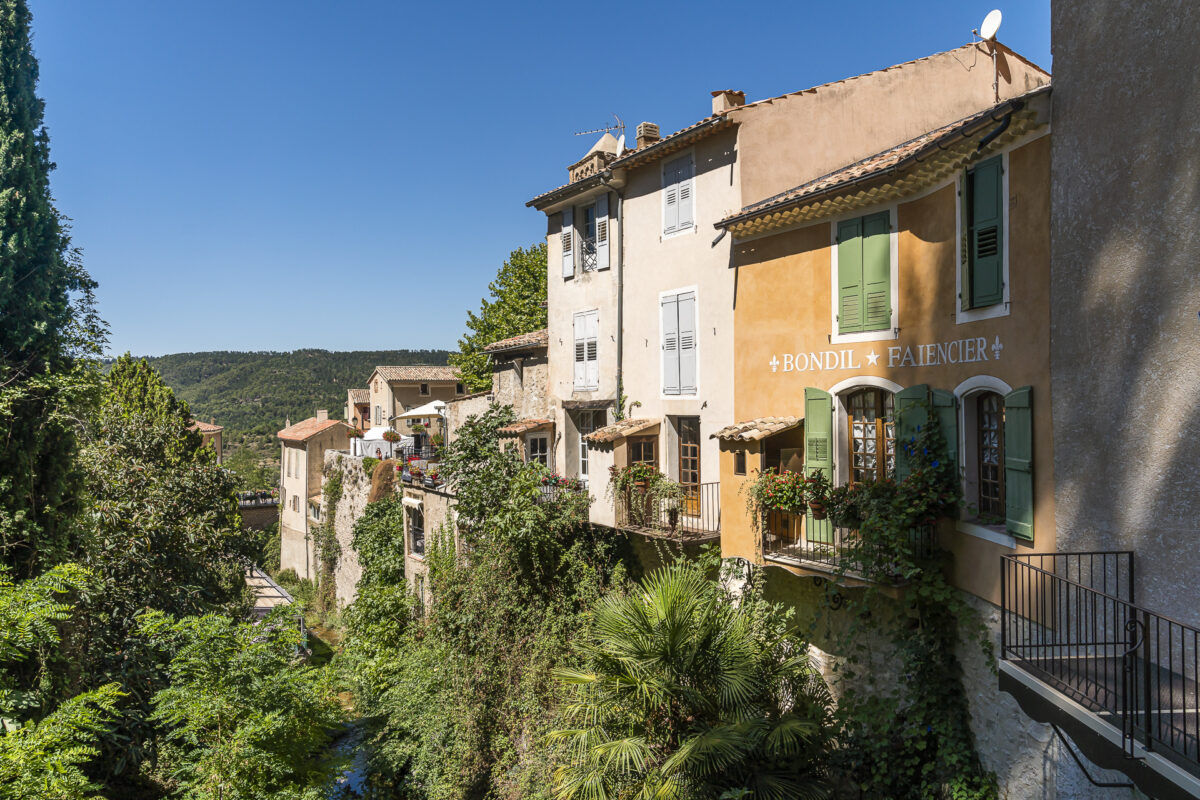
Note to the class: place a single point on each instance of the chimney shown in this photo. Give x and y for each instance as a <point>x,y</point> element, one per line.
<point>322,415</point>
<point>647,133</point>
<point>725,99</point>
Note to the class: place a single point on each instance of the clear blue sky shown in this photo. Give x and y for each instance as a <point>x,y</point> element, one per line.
<point>258,175</point>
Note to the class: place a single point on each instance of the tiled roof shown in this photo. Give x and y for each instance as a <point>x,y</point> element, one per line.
<point>619,430</point>
<point>360,396</point>
<point>303,431</point>
<point>950,143</point>
<point>522,341</point>
<point>524,426</point>
<point>205,427</point>
<point>419,372</point>
<point>756,429</point>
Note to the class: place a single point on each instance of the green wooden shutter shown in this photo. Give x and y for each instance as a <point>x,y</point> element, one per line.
<point>910,416</point>
<point>850,276</point>
<point>818,452</point>
<point>945,410</point>
<point>987,233</point>
<point>1018,462</point>
<point>877,271</point>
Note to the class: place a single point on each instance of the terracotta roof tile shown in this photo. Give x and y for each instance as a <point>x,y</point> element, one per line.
<point>303,431</point>
<point>360,396</point>
<point>620,430</point>
<point>204,427</point>
<point>418,372</point>
<point>755,429</point>
<point>525,426</point>
<point>522,341</point>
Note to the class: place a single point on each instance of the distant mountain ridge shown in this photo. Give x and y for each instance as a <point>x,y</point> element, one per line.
<point>255,392</point>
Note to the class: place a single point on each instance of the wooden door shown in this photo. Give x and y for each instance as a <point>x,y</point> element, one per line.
<point>689,464</point>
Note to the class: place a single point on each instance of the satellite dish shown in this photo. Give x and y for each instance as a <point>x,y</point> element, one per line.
<point>991,24</point>
<point>621,144</point>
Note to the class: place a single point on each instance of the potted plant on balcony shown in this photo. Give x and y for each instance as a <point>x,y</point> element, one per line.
<point>391,436</point>
<point>816,491</point>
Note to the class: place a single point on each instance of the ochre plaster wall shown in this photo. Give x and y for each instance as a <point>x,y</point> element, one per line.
<point>783,306</point>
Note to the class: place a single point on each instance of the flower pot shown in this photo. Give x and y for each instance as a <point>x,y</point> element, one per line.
<point>817,509</point>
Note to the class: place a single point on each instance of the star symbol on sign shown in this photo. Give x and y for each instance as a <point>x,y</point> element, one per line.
<point>872,357</point>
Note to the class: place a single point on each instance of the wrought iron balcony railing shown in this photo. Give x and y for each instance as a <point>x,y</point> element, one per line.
<point>800,539</point>
<point>697,515</point>
<point>1070,621</point>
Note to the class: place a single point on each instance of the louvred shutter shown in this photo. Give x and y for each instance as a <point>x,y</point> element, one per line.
<point>849,312</point>
<point>568,242</point>
<point>945,410</point>
<point>1018,462</point>
<point>910,416</point>
<point>987,240</point>
<point>670,197</point>
<point>818,452</point>
<point>593,359</point>
<point>876,271</point>
<point>602,232</point>
<point>580,352</point>
<point>670,344</point>
<point>687,343</point>
<point>686,178</point>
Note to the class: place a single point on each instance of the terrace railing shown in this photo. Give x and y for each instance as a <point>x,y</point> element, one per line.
<point>1070,621</point>
<point>803,540</point>
<point>696,515</point>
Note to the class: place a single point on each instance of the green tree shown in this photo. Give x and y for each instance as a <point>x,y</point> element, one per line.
<point>244,718</point>
<point>43,333</point>
<point>693,692</point>
<point>517,304</point>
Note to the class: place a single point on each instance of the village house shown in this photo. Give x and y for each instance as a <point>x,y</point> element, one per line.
<point>210,434</point>
<point>358,409</point>
<point>301,464</point>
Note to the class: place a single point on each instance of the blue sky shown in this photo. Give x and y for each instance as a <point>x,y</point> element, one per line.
<point>258,175</point>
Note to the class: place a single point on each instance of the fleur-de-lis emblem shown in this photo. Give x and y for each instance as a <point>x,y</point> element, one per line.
<point>996,348</point>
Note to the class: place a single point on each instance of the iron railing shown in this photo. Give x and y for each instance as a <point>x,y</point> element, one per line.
<point>257,499</point>
<point>696,515</point>
<point>1069,620</point>
<point>801,538</point>
<point>552,492</point>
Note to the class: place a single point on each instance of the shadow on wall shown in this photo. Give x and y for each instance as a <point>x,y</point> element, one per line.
<point>1125,291</point>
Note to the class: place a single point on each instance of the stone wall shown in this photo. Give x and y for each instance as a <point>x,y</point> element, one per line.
<point>259,517</point>
<point>356,486</point>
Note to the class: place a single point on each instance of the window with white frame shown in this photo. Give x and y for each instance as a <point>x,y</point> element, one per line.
<point>678,194</point>
<point>586,425</point>
<point>679,343</point>
<point>537,449</point>
<point>587,365</point>
<point>378,415</point>
<point>585,246</point>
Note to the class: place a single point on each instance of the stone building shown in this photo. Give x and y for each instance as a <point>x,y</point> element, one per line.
<point>211,433</point>
<point>301,465</point>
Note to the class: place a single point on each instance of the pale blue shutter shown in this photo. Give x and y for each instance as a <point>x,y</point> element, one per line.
<point>568,242</point>
<point>602,232</point>
<point>670,197</point>
<point>592,332</point>
<point>580,352</point>
<point>686,191</point>
<point>687,343</point>
<point>670,344</point>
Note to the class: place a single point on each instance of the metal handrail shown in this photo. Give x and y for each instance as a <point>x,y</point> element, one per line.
<point>1090,641</point>
<point>697,513</point>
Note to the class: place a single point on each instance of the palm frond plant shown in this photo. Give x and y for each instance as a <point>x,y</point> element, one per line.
<point>691,692</point>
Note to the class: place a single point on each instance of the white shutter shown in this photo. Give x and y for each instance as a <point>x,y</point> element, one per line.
<point>580,351</point>
<point>593,360</point>
<point>687,343</point>
<point>602,231</point>
<point>670,197</point>
<point>670,344</point>
<point>568,242</point>
<point>686,188</point>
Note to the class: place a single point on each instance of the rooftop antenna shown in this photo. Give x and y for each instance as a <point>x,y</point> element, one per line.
<point>987,32</point>
<point>619,126</point>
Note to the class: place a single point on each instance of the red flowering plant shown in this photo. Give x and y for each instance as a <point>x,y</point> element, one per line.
<point>644,491</point>
<point>354,433</point>
<point>391,436</point>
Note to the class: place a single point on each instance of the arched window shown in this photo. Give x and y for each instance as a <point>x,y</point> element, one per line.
<point>989,418</point>
<point>871,425</point>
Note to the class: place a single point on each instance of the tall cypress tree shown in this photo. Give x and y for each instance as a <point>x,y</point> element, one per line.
<point>40,325</point>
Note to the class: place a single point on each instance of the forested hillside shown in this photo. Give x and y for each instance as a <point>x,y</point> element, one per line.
<point>255,392</point>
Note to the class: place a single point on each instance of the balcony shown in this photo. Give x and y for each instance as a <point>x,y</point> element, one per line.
<point>801,541</point>
<point>1118,679</point>
<point>695,517</point>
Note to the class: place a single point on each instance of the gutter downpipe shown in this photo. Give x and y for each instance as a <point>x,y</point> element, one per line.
<point>606,179</point>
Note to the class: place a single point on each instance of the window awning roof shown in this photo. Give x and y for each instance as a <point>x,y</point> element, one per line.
<point>525,426</point>
<point>756,429</point>
<point>620,430</point>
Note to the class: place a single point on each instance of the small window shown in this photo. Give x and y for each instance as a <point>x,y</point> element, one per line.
<point>416,531</point>
<point>739,462</point>
<point>678,188</point>
<point>537,449</point>
<point>642,450</point>
<point>587,241</point>
<point>424,388</point>
<point>983,206</point>
<point>587,365</point>
<point>378,415</point>
<point>989,416</point>
<point>587,425</point>
<point>460,389</point>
